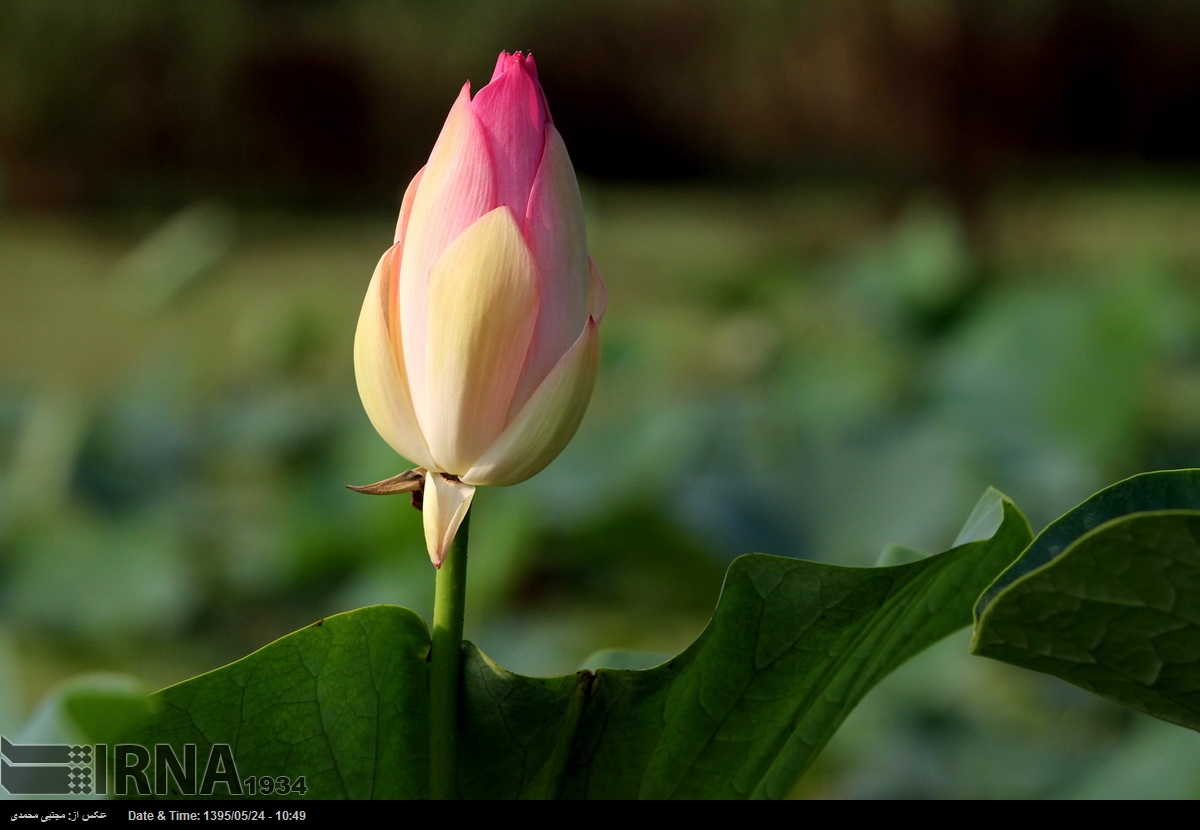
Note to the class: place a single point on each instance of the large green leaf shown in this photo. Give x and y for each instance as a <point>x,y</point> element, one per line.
<point>1108,598</point>
<point>343,703</point>
<point>790,650</point>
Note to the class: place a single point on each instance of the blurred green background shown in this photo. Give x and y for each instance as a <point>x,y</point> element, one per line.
<point>864,259</point>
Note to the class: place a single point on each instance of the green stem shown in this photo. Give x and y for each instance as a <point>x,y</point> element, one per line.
<point>446,662</point>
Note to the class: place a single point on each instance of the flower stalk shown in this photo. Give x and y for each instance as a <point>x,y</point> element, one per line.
<point>446,667</point>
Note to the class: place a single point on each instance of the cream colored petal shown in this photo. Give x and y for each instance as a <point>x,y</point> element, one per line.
<point>380,373</point>
<point>445,504</point>
<point>457,186</point>
<point>548,421</point>
<point>482,306</point>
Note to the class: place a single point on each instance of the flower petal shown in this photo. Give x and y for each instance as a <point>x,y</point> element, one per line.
<point>558,241</point>
<point>457,187</point>
<point>483,301</point>
<point>529,65</point>
<point>410,194</point>
<point>445,504</point>
<point>513,116</point>
<point>548,421</point>
<point>391,287</point>
<point>379,369</point>
<point>597,300</point>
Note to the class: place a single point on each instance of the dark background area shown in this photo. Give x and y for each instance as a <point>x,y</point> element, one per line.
<point>329,104</point>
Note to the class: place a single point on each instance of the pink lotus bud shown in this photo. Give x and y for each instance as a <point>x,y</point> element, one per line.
<point>477,346</point>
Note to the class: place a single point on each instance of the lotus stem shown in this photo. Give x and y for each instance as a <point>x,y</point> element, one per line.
<point>446,667</point>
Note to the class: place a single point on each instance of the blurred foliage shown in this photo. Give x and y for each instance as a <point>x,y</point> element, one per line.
<point>785,371</point>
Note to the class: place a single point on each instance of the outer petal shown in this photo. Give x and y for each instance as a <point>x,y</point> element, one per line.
<point>379,369</point>
<point>548,421</point>
<point>410,194</point>
<point>597,300</point>
<point>457,187</point>
<point>483,302</point>
<point>446,502</point>
<point>391,287</point>
<point>555,232</point>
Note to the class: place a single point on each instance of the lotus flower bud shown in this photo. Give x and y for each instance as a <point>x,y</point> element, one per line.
<point>477,347</point>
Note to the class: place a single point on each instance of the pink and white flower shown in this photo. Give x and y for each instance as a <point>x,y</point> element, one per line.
<point>477,346</point>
